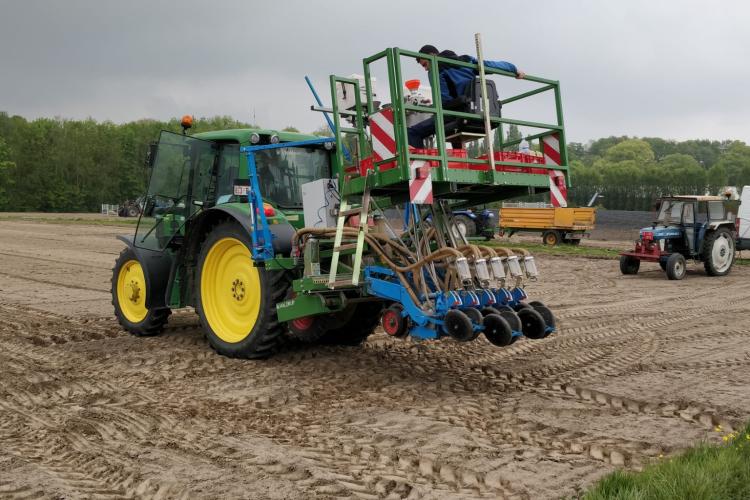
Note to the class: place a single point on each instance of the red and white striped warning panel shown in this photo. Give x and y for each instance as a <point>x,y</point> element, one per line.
<point>420,183</point>
<point>383,135</point>
<point>558,191</point>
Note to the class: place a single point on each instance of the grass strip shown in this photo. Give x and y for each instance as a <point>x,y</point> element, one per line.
<point>576,251</point>
<point>120,221</point>
<point>706,472</point>
<point>561,250</point>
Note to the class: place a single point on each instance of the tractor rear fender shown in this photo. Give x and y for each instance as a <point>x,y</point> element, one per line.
<point>156,269</point>
<point>201,224</point>
<point>713,226</point>
<point>282,232</point>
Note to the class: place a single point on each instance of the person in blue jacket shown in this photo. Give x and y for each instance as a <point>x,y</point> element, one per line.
<point>453,81</point>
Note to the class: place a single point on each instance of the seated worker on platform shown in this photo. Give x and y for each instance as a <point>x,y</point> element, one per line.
<point>453,81</point>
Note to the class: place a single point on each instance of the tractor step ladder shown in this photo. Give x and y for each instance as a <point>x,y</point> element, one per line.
<point>344,211</point>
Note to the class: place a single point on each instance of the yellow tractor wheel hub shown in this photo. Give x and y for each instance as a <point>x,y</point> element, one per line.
<point>230,290</point>
<point>131,291</point>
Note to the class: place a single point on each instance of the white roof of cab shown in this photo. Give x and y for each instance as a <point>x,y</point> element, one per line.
<point>697,197</point>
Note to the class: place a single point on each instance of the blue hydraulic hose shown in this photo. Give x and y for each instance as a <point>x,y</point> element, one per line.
<point>328,118</point>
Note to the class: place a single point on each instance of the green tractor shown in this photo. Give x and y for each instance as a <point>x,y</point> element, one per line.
<point>192,243</point>
<point>273,236</point>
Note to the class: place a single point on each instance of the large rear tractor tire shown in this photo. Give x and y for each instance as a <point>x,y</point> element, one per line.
<point>676,267</point>
<point>236,301</point>
<point>465,225</point>
<point>718,252</point>
<point>129,298</point>
<point>629,265</point>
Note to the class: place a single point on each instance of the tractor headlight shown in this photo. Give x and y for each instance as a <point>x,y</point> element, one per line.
<point>254,138</point>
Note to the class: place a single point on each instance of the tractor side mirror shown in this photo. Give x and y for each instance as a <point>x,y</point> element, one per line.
<point>151,154</point>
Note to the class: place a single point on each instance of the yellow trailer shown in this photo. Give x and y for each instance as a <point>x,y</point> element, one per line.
<point>568,225</point>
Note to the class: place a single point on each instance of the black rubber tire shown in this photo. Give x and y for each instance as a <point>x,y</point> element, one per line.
<point>551,238</point>
<point>132,212</point>
<point>707,256</point>
<point>511,317</point>
<point>458,325</point>
<point>266,334</point>
<point>521,305</point>
<point>549,318</point>
<point>676,267</point>
<point>497,331</point>
<point>363,321</point>
<point>155,319</point>
<point>489,310</point>
<point>532,323</point>
<point>475,315</point>
<point>629,264</point>
<point>394,323</point>
<point>471,227</point>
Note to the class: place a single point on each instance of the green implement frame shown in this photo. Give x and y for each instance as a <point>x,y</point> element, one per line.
<point>458,184</point>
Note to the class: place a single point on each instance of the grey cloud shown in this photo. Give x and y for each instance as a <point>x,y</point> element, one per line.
<point>672,68</point>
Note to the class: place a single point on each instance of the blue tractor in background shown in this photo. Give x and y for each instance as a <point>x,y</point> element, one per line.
<point>476,222</point>
<point>701,228</point>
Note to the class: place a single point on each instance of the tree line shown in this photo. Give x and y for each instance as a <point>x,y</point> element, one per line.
<point>632,173</point>
<point>61,165</point>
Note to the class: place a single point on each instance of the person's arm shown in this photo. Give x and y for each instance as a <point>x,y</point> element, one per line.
<point>504,66</point>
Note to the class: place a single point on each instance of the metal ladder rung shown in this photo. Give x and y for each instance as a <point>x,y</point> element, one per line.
<point>342,282</point>
<point>348,246</point>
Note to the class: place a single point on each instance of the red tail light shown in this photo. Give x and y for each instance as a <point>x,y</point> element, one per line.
<point>268,210</point>
<point>648,235</point>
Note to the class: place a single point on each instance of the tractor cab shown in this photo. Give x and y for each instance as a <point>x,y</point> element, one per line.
<point>692,227</point>
<point>682,222</point>
<point>192,174</point>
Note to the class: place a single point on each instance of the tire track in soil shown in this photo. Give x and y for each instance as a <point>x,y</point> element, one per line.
<point>329,409</point>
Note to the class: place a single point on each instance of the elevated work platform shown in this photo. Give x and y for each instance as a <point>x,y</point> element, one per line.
<point>376,144</point>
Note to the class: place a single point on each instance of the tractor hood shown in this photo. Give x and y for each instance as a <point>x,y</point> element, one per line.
<point>661,233</point>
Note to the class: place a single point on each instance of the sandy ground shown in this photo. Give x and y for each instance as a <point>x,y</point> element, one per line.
<point>641,367</point>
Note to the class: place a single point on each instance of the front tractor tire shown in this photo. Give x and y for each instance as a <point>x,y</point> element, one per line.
<point>676,267</point>
<point>129,298</point>
<point>718,252</point>
<point>629,264</point>
<point>236,301</point>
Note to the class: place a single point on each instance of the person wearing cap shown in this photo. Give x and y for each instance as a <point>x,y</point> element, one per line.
<point>453,82</point>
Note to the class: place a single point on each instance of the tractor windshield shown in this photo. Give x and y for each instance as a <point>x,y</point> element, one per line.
<point>282,172</point>
<point>670,212</point>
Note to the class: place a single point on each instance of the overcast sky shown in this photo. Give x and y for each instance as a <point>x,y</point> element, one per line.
<point>670,68</point>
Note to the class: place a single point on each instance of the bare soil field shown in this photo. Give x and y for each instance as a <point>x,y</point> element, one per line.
<point>641,368</point>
